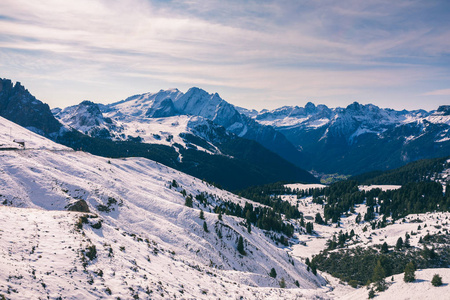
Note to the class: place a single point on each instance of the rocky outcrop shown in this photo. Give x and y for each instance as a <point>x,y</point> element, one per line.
<point>19,106</point>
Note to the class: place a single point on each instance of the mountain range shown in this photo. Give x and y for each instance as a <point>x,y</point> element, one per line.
<point>351,140</point>
<point>192,144</point>
<point>200,133</point>
<point>360,138</point>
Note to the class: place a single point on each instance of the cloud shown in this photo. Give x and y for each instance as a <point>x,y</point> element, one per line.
<point>444,92</point>
<point>292,49</point>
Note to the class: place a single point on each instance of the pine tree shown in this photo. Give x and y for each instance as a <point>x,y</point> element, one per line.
<point>240,246</point>
<point>399,244</point>
<point>378,277</point>
<point>282,283</point>
<point>318,219</point>
<point>314,269</point>
<point>188,201</point>
<point>437,280</point>
<point>371,294</point>
<point>205,226</point>
<point>384,248</point>
<point>409,272</point>
<point>302,221</point>
<point>202,214</point>
<point>309,227</point>
<point>358,218</point>
<point>273,273</point>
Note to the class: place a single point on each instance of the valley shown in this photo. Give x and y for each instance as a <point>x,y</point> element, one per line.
<point>176,196</point>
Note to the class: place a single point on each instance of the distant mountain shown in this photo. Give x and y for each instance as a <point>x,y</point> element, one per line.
<point>135,118</point>
<point>361,138</point>
<point>130,128</point>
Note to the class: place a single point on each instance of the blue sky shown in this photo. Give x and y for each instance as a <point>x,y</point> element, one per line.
<point>255,54</point>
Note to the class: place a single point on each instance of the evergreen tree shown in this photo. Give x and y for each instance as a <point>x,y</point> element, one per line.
<point>409,272</point>
<point>220,216</point>
<point>437,280</point>
<point>371,294</point>
<point>399,244</point>
<point>314,269</point>
<point>302,221</point>
<point>240,246</point>
<point>384,248</point>
<point>188,201</point>
<point>378,277</point>
<point>273,273</point>
<point>205,226</point>
<point>202,214</point>
<point>425,252</point>
<point>318,219</point>
<point>282,283</point>
<point>309,227</point>
<point>358,218</point>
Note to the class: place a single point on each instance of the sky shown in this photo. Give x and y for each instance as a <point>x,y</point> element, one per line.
<point>255,54</point>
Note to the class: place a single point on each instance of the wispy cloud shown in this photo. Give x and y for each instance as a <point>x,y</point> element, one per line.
<point>444,92</point>
<point>243,49</point>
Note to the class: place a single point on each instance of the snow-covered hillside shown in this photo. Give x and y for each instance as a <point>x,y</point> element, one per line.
<point>138,239</point>
<point>11,134</point>
<point>420,289</point>
<point>416,226</point>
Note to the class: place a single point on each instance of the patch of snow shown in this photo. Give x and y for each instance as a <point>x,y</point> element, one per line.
<point>304,187</point>
<point>381,187</point>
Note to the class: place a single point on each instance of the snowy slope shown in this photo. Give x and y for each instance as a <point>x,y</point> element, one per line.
<point>420,289</point>
<point>10,131</point>
<point>147,105</point>
<point>366,237</point>
<point>148,237</point>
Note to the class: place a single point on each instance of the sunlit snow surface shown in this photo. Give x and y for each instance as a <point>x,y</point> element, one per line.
<point>149,244</point>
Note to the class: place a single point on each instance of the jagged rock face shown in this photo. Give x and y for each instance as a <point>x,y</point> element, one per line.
<point>19,106</point>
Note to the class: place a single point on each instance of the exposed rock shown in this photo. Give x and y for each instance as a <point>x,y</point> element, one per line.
<point>19,106</point>
<point>80,206</point>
